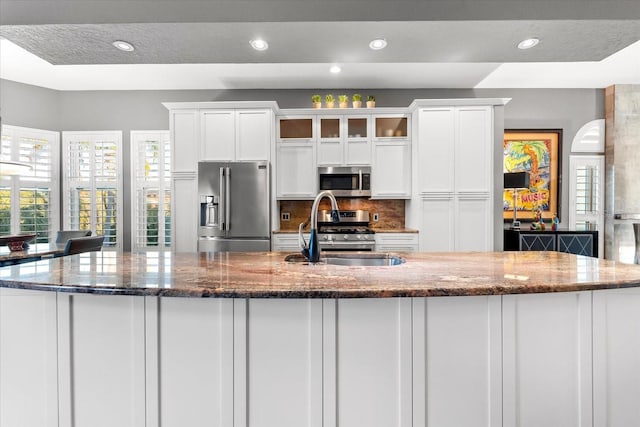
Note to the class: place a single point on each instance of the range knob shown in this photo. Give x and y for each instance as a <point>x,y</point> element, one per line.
<point>345,237</point>
<point>325,237</point>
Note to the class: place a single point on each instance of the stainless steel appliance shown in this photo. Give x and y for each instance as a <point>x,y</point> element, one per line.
<point>352,233</point>
<point>234,206</point>
<point>346,181</point>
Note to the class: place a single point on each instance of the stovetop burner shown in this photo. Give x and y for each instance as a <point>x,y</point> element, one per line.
<point>351,222</point>
<point>348,229</point>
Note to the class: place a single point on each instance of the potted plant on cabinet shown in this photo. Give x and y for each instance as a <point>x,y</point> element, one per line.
<point>357,100</point>
<point>371,101</point>
<point>330,101</point>
<point>343,101</point>
<point>316,101</point>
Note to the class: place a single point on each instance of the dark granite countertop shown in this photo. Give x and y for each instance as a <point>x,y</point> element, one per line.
<point>267,275</point>
<point>377,230</point>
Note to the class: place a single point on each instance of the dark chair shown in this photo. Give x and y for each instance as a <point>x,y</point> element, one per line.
<point>83,244</point>
<point>63,235</point>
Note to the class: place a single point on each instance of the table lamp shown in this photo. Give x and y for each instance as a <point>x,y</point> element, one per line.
<point>516,181</point>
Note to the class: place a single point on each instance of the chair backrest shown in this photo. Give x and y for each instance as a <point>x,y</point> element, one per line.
<point>63,235</point>
<point>83,244</point>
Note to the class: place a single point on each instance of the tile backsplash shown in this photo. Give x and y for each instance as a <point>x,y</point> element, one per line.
<point>390,212</point>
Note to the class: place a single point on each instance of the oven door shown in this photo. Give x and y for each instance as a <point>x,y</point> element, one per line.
<point>366,246</point>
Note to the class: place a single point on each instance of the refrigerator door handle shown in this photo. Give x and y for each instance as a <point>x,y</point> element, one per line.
<point>223,202</point>
<point>227,195</point>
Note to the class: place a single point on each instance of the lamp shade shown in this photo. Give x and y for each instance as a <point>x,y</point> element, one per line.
<point>516,180</point>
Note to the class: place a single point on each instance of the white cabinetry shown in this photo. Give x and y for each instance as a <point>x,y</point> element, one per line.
<point>616,357</point>
<point>224,131</point>
<point>236,135</point>
<point>453,204</point>
<point>457,362</point>
<point>185,132</point>
<point>286,242</point>
<point>296,173</point>
<point>344,141</point>
<point>391,170</point>
<point>557,359</point>
<point>396,242</point>
<point>28,357</point>
<point>547,369</point>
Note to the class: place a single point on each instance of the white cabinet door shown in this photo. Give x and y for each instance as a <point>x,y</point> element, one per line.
<point>283,362</point>
<point>101,350</point>
<point>330,152</point>
<point>296,173</point>
<point>474,149</point>
<point>437,232</point>
<point>218,134</point>
<point>436,142</point>
<point>185,140</point>
<point>616,357</point>
<point>358,152</point>
<point>547,377</point>
<point>253,135</point>
<point>457,361</point>
<point>372,363</point>
<point>398,242</point>
<point>286,242</point>
<point>189,357</point>
<point>28,355</point>
<point>391,171</point>
<point>474,219</point>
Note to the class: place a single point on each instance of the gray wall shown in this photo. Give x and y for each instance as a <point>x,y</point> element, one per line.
<point>30,106</point>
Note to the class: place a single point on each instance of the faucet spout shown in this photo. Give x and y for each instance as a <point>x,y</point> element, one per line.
<point>312,251</point>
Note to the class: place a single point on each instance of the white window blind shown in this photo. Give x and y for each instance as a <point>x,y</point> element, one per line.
<point>29,203</point>
<point>92,184</point>
<point>151,195</point>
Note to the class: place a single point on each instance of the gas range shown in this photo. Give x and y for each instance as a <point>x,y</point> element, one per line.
<point>352,233</point>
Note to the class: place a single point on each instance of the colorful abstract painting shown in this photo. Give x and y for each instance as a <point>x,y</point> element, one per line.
<point>535,152</point>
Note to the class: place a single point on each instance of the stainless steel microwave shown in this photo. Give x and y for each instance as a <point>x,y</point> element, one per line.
<point>346,181</point>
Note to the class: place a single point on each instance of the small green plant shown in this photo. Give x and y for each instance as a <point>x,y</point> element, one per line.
<point>316,98</point>
<point>329,98</point>
<point>343,98</point>
<point>356,97</point>
<point>371,98</point>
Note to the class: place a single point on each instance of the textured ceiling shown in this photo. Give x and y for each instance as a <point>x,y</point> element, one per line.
<point>325,42</point>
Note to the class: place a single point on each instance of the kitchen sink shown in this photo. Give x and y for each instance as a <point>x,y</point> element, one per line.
<point>352,259</point>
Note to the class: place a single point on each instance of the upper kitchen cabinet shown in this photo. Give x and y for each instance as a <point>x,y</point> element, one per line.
<point>344,141</point>
<point>295,129</point>
<point>391,169</point>
<point>236,135</point>
<point>391,126</point>
<point>296,173</point>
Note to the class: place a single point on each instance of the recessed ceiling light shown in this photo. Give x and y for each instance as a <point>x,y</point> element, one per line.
<point>259,44</point>
<point>335,69</point>
<point>528,43</point>
<point>377,44</point>
<point>124,46</point>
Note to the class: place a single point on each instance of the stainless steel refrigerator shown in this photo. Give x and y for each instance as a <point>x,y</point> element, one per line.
<point>234,206</point>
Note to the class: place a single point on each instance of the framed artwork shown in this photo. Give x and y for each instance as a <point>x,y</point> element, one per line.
<point>536,152</point>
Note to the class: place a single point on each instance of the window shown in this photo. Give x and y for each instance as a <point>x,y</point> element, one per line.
<point>92,184</point>
<point>150,193</point>
<point>29,202</point>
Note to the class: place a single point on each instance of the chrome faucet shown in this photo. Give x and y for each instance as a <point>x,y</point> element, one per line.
<point>312,250</point>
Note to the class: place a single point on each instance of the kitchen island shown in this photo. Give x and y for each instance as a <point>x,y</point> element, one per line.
<point>239,339</point>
